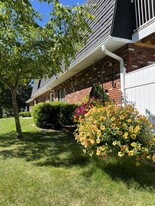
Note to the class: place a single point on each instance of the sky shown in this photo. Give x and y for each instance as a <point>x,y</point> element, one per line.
<point>45,8</point>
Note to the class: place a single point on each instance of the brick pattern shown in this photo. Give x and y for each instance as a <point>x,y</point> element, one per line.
<point>80,85</point>
<point>140,57</point>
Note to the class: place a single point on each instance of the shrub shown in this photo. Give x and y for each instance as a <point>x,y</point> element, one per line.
<point>25,114</point>
<point>47,114</point>
<point>53,114</point>
<point>117,130</point>
<point>66,114</point>
<point>82,109</point>
<point>42,114</point>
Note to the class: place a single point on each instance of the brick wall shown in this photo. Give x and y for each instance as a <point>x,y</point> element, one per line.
<point>80,85</point>
<point>140,57</point>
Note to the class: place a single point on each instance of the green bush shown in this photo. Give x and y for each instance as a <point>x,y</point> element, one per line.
<point>66,114</point>
<point>117,130</point>
<point>53,114</point>
<point>25,114</point>
<point>47,114</point>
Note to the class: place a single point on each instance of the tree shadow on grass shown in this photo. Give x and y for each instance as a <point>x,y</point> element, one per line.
<point>58,149</point>
<point>44,148</point>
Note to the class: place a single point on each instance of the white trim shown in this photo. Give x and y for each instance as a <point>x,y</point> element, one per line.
<point>117,39</point>
<point>144,31</point>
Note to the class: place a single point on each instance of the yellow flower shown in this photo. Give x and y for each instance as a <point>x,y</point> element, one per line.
<point>113,119</point>
<point>120,154</point>
<point>124,147</point>
<point>98,152</point>
<point>103,148</point>
<point>130,153</point>
<point>114,143</point>
<point>133,136</point>
<point>131,128</point>
<point>133,144</point>
<point>90,118</point>
<point>102,118</point>
<point>94,128</point>
<point>124,124</point>
<point>137,128</point>
<point>91,153</point>
<point>102,127</point>
<point>129,120</point>
<point>113,125</point>
<point>99,134</point>
<point>137,164</point>
<point>121,117</point>
<point>91,140</point>
<point>125,135</point>
<point>153,158</point>
<point>95,121</point>
<point>98,141</point>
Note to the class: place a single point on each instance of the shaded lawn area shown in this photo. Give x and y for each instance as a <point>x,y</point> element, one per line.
<point>49,168</point>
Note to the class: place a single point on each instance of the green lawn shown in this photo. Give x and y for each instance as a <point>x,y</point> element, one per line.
<point>49,168</point>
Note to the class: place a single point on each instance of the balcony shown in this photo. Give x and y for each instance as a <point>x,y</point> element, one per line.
<point>145,12</point>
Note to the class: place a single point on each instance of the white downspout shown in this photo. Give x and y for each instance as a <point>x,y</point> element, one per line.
<point>122,71</point>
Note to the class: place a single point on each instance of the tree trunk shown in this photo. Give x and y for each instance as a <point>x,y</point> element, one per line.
<point>1,112</point>
<point>16,114</point>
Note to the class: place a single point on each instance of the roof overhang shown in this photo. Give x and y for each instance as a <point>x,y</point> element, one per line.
<point>112,44</point>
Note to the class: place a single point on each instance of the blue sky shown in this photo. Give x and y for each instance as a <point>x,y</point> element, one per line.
<point>45,8</point>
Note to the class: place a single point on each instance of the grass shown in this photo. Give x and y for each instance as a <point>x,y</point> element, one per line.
<point>49,168</point>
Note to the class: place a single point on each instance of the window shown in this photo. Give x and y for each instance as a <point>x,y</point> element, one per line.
<point>52,96</point>
<point>61,95</point>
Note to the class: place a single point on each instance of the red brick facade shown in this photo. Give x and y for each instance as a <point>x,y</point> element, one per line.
<point>80,85</point>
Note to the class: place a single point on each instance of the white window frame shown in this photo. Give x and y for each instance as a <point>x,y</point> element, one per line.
<point>62,95</point>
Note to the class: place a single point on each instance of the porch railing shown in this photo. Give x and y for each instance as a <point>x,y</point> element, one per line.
<point>145,12</point>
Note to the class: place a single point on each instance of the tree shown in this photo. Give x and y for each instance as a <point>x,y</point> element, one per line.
<point>23,93</point>
<point>30,51</point>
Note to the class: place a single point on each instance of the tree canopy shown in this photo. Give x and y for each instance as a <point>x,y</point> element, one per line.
<point>28,50</point>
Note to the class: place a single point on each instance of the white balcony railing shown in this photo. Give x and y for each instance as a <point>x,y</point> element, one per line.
<point>145,12</point>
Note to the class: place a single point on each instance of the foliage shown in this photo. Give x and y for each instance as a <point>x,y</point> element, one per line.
<point>46,114</point>
<point>53,114</point>
<point>5,97</point>
<point>113,129</point>
<point>98,93</point>
<point>30,51</point>
<point>25,114</point>
<point>66,114</point>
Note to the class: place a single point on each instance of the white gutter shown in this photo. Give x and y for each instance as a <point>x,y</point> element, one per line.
<point>122,71</point>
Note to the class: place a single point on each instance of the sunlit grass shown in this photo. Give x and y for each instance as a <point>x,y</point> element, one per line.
<point>49,168</point>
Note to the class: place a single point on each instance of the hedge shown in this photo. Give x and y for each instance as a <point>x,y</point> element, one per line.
<point>66,114</point>
<point>53,114</point>
<point>24,114</point>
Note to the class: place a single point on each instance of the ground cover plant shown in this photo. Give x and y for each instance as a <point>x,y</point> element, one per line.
<point>49,168</point>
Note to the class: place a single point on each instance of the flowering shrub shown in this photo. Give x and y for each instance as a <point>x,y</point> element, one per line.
<point>95,98</point>
<point>117,130</point>
<point>82,109</point>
